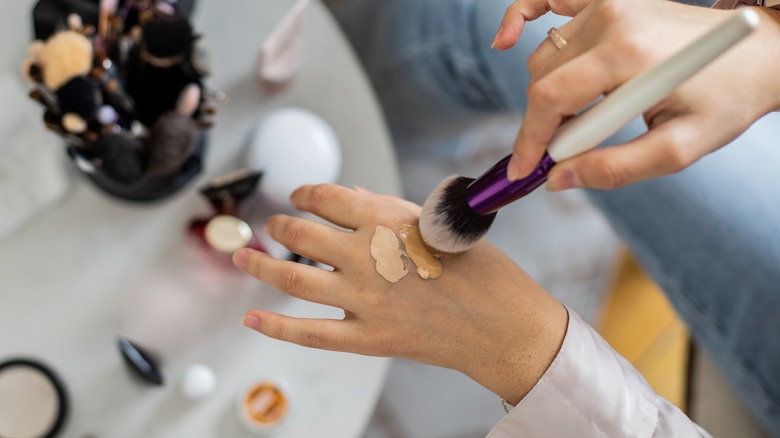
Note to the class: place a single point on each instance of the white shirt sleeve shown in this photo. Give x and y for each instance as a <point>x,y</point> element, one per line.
<point>591,391</point>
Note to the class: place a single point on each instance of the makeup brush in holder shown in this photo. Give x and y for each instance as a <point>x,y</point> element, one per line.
<point>123,85</point>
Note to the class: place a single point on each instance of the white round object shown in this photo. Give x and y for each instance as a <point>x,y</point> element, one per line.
<point>293,147</point>
<point>73,123</point>
<point>227,233</point>
<point>107,115</point>
<point>198,382</point>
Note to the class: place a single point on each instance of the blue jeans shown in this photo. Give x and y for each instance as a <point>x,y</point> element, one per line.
<point>710,235</point>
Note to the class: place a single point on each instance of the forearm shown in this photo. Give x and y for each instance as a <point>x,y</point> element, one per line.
<point>513,361</point>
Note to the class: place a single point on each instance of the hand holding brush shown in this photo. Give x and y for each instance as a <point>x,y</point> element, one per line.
<point>461,210</point>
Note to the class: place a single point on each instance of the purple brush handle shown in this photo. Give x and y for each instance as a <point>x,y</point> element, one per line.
<point>493,190</point>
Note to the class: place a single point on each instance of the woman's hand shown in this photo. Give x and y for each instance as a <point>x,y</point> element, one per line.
<point>610,42</point>
<point>484,316</point>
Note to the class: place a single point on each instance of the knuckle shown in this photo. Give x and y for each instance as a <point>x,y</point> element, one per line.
<point>320,194</point>
<point>293,232</point>
<point>677,154</point>
<point>278,329</point>
<point>312,338</point>
<point>542,92</point>
<point>629,44</point>
<point>292,280</point>
<point>272,223</point>
<point>612,176</point>
<point>513,11</point>
<point>611,10</point>
<point>534,63</point>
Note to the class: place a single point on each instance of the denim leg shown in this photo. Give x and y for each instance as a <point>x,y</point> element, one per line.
<point>432,66</point>
<point>426,59</point>
<point>710,236</point>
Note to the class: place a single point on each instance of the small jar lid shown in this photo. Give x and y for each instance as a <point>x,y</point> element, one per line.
<point>227,233</point>
<point>265,406</point>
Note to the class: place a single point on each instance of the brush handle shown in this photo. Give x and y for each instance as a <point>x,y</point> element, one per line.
<point>493,190</point>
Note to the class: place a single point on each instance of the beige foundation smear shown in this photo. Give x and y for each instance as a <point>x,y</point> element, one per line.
<point>428,264</point>
<point>389,256</point>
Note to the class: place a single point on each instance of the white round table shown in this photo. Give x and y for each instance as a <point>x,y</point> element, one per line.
<point>94,268</point>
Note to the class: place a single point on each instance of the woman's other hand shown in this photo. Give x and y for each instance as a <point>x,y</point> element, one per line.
<point>610,42</point>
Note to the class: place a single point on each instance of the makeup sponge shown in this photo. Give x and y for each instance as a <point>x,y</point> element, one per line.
<point>64,56</point>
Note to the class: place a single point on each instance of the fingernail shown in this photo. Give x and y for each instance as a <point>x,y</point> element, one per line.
<point>251,321</point>
<point>565,181</point>
<point>495,38</point>
<point>513,168</point>
<point>239,259</point>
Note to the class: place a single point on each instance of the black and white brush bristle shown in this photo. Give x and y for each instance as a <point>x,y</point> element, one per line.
<point>447,222</point>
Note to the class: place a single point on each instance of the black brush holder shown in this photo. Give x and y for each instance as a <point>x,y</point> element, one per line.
<point>137,165</point>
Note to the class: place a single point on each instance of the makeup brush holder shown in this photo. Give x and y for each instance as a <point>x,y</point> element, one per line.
<point>123,85</point>
<point>148,188</point>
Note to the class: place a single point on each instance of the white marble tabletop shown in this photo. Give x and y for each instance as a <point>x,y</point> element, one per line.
<point>94,268</point>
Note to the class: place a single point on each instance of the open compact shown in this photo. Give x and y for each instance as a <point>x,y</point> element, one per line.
<point>33,402</point>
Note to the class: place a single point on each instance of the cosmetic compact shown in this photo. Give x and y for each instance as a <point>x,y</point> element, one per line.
<point>33,401</point>
<point>293,147</point>
<point>264,407</point>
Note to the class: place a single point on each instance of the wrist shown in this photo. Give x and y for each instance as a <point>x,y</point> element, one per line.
<point>516,365</point>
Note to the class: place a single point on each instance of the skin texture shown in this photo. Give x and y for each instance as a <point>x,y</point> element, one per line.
<point>485,317</point>
<point>611,41</point>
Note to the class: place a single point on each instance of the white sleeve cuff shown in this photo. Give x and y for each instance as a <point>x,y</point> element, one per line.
<point>591,391</point>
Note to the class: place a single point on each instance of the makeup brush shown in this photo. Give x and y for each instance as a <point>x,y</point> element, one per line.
<point>122,157</point>
<point>461,210</point>
<point>175,134</point>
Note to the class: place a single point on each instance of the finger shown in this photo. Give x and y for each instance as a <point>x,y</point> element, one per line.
<point>324,334</point>
<point>547,56</point>
<point>521,11</point>
<point>551,100</point>
<point>668,148</point>
<point>514,20</point>
<point>300,281</point>
<point>344,207</point>
<point>403,203</point>
<point>310,239</point>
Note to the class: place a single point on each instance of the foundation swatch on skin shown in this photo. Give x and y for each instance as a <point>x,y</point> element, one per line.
<point>427,261</point>
<point>389,256</point>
